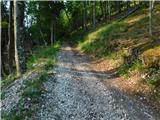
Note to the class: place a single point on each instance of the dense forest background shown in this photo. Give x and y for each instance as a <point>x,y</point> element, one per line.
<point>122,39</point>
<point>26,25</point>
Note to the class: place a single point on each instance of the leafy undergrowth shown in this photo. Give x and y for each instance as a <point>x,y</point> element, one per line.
<point>43,57</point>
<point>127,68</point>
<point>116,41</point>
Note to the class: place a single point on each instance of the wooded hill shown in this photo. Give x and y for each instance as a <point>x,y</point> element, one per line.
<point>125,32</point>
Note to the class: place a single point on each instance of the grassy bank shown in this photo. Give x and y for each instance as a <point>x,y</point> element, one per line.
<point>43,57</point>
<point>41,62</point>
<point>129,49</point>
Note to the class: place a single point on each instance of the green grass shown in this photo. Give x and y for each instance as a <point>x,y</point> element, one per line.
<point>154,78</point>
<point>43,56</point>
<point>97,42</point>
<point>136,65</point>
<point>7,80</point>
<point>34,88</point>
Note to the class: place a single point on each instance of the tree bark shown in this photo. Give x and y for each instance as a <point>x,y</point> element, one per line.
<point>105,9</point>
<point>119,6</point>
<point>54,27</point>
<point>84,15</point>
<point>94,14</point>
<point>45,43</point>
<point>19,37</point>
<point>10,39</point>
<point>52,32</point>
<point>109,10</point>
<point>102,11</point>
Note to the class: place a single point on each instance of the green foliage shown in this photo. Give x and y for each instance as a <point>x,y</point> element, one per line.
<point>34,88</point>
<point>43,56</point>
<point>8,80</point>
<point>136,65</point>
<point>97,42</point>
<point>153,77</point>
<point>41,13</point>
<point>154,80</point>
<point>4,24</point>
<point>49,64</point>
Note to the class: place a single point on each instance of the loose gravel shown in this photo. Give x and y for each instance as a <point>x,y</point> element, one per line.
<point>77,93</point>
<point>12,93</point>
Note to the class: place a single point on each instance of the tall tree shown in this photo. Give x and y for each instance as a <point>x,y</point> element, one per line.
<point>102,11</point>
<point>55,8</point>
<point>94,14</point>
<point>109,9</point>
<point>52,28</point>
<point>4,37</point>
<point>84,14</point>
<point>151,5</point>
<point>105,9</point>
<point>19,36</point>
<point>10,38</point>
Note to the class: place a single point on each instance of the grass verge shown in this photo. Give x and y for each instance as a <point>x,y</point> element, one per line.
<point>40,62</point>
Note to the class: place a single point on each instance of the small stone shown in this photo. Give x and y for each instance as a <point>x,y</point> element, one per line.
<point>28,99</point>
<point>121,100</point>
<point>34,65</point>
<point>141,98</point>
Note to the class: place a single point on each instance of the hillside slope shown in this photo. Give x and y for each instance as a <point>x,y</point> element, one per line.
<point>126,47</point>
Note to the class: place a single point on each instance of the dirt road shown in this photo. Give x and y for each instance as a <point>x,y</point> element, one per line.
<point>76,93</point>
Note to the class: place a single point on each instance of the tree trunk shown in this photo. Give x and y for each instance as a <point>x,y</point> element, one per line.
<point>45,43</point>
<point>54,27</point>
<point>119,6</point>
<point>10,39</point>
<point>82,18</point>
<point>84,15</point>
<point>19,36</point>
<point>102,12</point>
<point>151,4</point>
<point>105,9</point>
<point>109,10</point>
<point>52,32</point>
<point>94,14</point>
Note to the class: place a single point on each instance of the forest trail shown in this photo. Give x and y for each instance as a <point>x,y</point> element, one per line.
<point>76,93</point>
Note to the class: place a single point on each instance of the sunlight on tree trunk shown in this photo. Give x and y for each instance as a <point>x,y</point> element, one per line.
<point>19,36</point>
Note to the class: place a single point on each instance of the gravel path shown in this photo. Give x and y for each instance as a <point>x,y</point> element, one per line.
<point>76,93</point>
